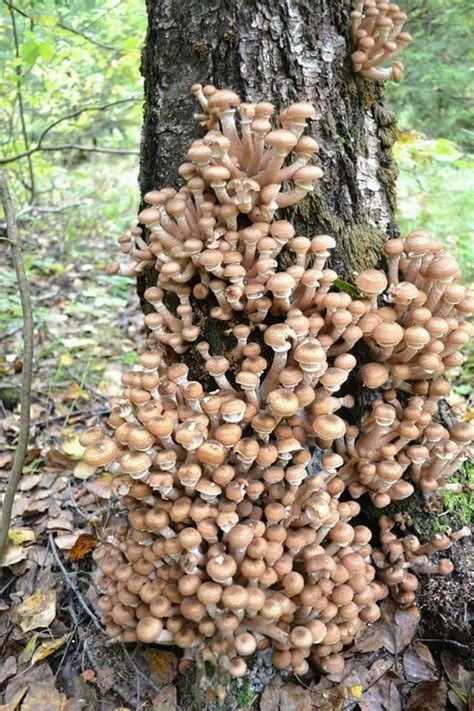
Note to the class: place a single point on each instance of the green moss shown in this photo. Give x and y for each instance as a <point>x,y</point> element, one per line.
<point>364,245</point>
<point>461,506</point>
<point>245,696</point>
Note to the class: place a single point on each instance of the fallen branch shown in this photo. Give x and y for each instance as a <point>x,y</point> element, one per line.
<point>27,372</point>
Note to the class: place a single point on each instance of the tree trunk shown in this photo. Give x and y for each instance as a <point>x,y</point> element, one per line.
<point>278,51</point>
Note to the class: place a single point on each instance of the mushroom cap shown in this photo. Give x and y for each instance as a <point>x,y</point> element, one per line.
<point>374,375</point>
<point>222,99</point>
<point>342,533</point>
<point>149,629</point>
<point>301,637</point>
<point>329,427</point>
<point>101,453</point>
<point>221,568</point>
<point>371,282</point>
<point>135,462</point>
<point>280,138</point>
<point>307,175</point>
<point>211,452</point>
<point>216,173</point>
<point>442,268</point>
<point>234,597</point>
<point>387,334</point>
<point>282,403</point>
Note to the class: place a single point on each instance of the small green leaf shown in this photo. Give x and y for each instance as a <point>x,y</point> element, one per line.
<point>46,51</point>
<point>345,286</point>
<point>30,52</point>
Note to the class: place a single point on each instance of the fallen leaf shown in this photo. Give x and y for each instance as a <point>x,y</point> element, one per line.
<point>84,544</point>
<point>428,696</point>
<point>21,535</point>
<point>83,471</point>
<point>43,696</point>
<point>15,700</point>
<point>38,610</point>
<point>8,669</point>
<point>166,700</point>
<point>71,446</point>
<point>101,487</point>
<point>13,554</point>
<point>46,648</point>
<point>5,459</point>
<point>294,697</point>
<point>28,650</point>
<point>418,663</point>
<point>162,665</point>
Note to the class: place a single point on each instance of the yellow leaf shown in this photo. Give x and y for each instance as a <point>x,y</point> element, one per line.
<point>21,535</point>
<point>83,470</point>
<point>66,360</point>
<point>47,648</point>
<point>27,652</point>
<point>38,610</point>
<point>71,446</point>
<point>356,691</point>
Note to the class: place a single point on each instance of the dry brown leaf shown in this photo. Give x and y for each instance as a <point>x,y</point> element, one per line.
<point>13,554</point>
<point>29,481</point>
<point>16,699</point>
<point>167,700</point>
<point>5,459</point>
<point>101,487</point>
<point>162,665</point>
<point>38,610</point>
<point>428,696</point>
<point>84,544</point>
<point>8,669</point>
<point>295,698</point>
<point>418,663</point>
<point>43,696</point>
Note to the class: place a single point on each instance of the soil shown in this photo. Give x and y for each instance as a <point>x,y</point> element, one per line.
<point>447,603</point>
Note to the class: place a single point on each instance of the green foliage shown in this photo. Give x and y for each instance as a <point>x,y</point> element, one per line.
<point>436,94</point>
<point>434,190</point>
<point>462,505</point>
<point>60,59</point>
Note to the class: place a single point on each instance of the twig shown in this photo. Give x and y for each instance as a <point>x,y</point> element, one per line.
<point>67,28</point>
<point>68,117</point>
<point>21,107</point>
<point>27,372</point>
<point>72,585</point>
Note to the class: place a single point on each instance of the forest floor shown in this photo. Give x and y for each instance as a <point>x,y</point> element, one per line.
<point>54,655</point>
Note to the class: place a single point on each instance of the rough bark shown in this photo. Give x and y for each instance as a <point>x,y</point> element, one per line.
<point>280,51</point>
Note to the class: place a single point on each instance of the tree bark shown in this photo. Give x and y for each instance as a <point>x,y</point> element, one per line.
<point>278,51</point>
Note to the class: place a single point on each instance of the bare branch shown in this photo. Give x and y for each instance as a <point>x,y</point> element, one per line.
<point>27,372</point>
<point>39,146</point>
<point>21,108</point>
<point>67,28</point>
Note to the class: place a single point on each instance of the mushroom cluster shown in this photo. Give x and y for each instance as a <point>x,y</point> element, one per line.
<point>240,496</point>
<point>376,29</point>
<point>399,560</point>
<point>415,329</point>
